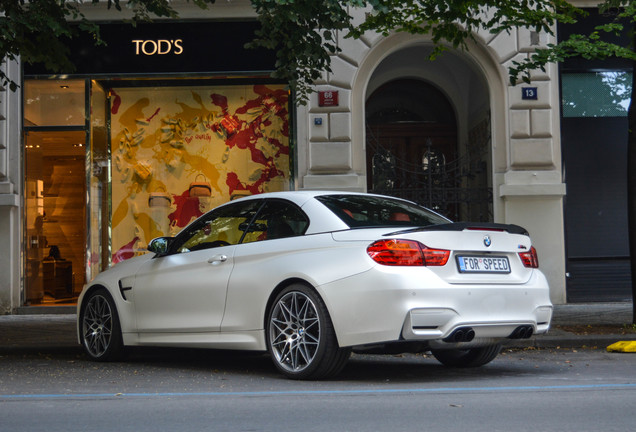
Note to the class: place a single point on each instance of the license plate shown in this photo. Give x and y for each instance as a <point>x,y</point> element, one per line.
<point>483,264</point>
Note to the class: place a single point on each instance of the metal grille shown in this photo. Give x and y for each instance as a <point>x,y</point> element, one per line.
<point>457,189</point>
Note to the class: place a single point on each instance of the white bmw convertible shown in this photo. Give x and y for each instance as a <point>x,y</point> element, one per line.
<point>312,276</point>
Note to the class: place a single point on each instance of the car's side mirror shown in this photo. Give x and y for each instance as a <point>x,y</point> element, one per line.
<point>160,245</point>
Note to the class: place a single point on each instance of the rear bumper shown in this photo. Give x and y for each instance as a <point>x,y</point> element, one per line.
<point>439,323</point>
<point>390,306</point>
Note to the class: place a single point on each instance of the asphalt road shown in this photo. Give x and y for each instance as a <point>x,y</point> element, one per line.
<point>203,390</point>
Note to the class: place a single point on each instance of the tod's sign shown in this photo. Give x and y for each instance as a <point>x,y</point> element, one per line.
<point>151,47</point>
<point>167,48</point>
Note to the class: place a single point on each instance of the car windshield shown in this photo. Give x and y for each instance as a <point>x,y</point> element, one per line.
<point>359,211</point>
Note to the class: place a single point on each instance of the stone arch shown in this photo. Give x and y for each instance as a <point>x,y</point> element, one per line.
<point>376,67</point>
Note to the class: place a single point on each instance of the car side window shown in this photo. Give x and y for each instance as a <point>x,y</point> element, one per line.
<point>277,219</point>
<point>224,226</point>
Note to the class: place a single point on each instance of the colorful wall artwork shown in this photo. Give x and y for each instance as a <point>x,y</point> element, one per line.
<point>177,152</point>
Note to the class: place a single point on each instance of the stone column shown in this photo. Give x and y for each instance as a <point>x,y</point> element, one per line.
<point>10,176</point>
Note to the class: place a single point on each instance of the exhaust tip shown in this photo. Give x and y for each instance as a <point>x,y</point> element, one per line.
<point>522,332</point>
<point>462,334</point>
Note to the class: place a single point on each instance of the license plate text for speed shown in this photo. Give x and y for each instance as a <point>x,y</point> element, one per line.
<point>483,264</point>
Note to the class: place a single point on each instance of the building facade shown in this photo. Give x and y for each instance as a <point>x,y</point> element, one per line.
<point>176,117</point>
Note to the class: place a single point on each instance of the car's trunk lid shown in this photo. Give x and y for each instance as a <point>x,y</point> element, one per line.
<point>480,253</point>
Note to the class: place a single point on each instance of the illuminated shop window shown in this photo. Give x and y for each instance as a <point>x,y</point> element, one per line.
<point>149,160</point>
<point>177,152</point>
<point>54,103</point>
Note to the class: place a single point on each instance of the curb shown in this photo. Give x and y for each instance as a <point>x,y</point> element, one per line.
<point>593,341</point>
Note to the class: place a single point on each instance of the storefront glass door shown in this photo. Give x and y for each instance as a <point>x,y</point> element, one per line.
<point>55,216</point>
<point>55,190</point>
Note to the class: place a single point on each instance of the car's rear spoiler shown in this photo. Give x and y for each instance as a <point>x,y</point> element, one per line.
<point>461,226</point>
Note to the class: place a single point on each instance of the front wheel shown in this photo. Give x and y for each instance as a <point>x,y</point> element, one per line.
<point>300,336</point>
<point>465,358</point>
<point>100,331</point>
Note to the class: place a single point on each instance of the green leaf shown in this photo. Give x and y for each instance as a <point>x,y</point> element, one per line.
<point>304,33</point>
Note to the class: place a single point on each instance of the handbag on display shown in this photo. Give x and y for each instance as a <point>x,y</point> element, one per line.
<point>159,199</point>
<point>200,188</point>
<point>143,171</point>
<point>230,124</point>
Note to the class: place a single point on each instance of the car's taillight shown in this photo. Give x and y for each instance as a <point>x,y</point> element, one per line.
<point>396,252</point>
<point>435,257</point>
<point>530,259</point>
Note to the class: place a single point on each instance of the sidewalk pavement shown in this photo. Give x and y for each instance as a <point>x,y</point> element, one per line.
<point>57,331</point>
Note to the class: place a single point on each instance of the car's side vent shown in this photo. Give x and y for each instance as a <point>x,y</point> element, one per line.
<point>123,289</point>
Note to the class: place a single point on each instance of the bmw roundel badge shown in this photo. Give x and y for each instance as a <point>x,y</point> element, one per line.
<point>487,240</point>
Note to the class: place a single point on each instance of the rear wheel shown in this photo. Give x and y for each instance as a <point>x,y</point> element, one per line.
<point>100,331</point>
<point>300,336</point>
<point>472,357</point>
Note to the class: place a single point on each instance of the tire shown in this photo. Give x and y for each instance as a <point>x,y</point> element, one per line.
<point>300,336</point>
<point>100,330</point>
<point>473,357</point>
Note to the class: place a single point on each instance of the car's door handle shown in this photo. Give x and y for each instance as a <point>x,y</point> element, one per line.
<point>218,259</point>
